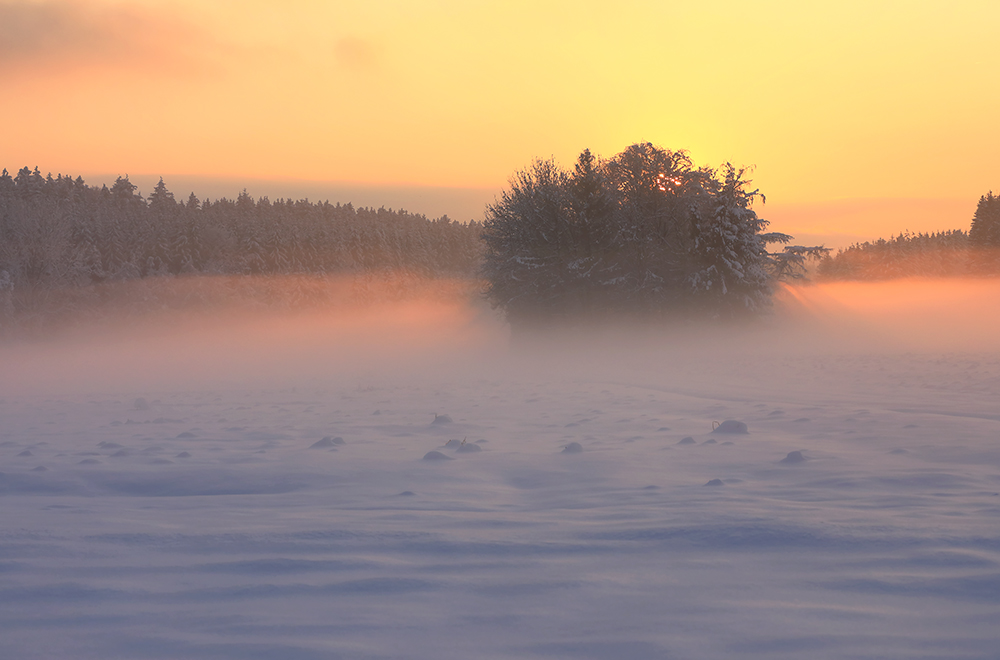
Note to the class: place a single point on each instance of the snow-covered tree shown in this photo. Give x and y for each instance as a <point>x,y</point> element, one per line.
<point>528,238</point>
<point>734,268</point>
<point>643,232</point>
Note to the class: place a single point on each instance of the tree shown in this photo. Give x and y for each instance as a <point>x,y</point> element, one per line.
<point>985,230</point>
<point>655,192</point>
<point>527,236</point>
<point>161,199</point>
<point>644,232</point>
<point>734,271</point>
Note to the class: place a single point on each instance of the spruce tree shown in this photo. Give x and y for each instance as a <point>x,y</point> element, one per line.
<point>985,230</point>
<point>733,274</point>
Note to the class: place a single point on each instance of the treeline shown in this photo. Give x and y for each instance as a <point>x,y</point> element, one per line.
<point>60,232</point>
<point>954,253</point>
<point>940,254</point>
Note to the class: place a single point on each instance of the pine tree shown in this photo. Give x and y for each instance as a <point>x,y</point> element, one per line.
<point>733,274</point>
<point>593,231</point>
<point>985,230</point>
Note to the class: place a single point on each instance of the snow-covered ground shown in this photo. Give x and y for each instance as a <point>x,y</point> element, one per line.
<point>163,496</point>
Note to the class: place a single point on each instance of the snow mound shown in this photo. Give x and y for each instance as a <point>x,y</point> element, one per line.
<point>573,448</point>
<point>437,456</point>
<point>183,454</point>
<point>687,441</point>
<point>141,404</point>
<point>731,426</point>
<point>793,457</point>
<point>328,441</point>
<point>185,434</point>
<point>715,482</point>
<point>469,448</point>
<point>441,419</point>
<point>26,452</point>
<point>40,468</point>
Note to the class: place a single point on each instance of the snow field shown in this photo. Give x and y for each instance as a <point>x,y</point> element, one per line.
<point>260,491</point>
<point>208,526</point>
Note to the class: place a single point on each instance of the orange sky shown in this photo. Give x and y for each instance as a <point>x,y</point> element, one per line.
<point>862,118</point>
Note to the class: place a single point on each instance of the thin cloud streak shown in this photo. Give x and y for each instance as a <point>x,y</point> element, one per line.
<point>56,37</point>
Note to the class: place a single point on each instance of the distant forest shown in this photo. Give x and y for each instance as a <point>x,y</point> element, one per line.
<point>941,254</point>
<point>60,232</point>
<point>952,253</point>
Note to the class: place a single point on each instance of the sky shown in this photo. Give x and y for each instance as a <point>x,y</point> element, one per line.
<point>860,118</point>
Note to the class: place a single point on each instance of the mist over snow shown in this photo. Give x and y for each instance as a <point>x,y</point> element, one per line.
<point>395,475</point>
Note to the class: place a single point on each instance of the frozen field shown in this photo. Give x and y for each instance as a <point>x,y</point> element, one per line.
<point>163,496</point>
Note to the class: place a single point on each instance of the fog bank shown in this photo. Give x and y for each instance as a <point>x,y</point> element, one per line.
<point>346,333</point>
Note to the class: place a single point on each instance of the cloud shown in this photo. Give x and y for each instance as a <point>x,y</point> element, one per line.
<point>68,35</point>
